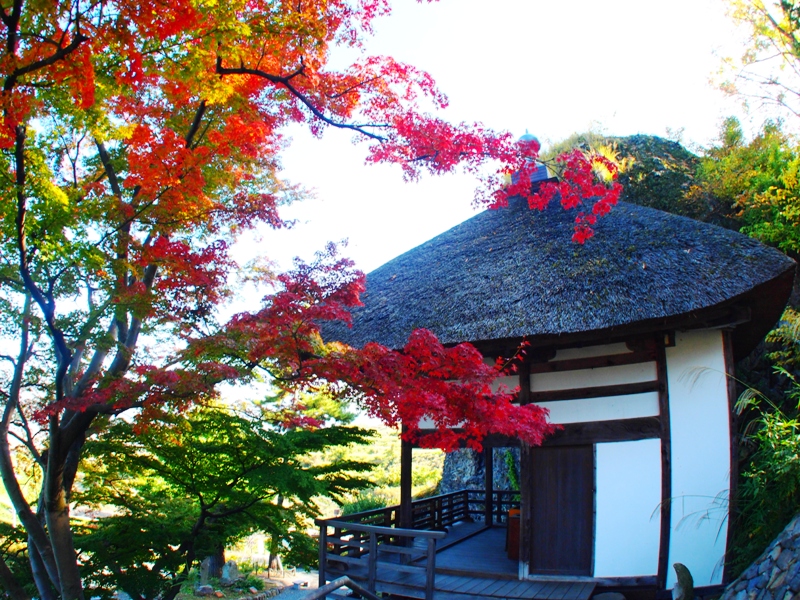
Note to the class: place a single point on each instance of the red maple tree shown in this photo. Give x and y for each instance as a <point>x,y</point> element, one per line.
<point>138,138</point>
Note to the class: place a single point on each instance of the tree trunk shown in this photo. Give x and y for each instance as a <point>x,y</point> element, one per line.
<point>40,577</point>
<point>216,561</point>
<point>32,524</point>
<point>57,518</point>
<point>275,563</point>
<point>64,548</point>
<point>10,583</point>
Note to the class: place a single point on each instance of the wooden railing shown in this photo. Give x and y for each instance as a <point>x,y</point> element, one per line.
<point>502,501</point>
<point>438,512</point>
<point>363,543</point>
<point>352,544</point>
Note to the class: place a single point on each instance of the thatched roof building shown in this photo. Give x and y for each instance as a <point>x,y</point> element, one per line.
<point>514,272</point>
<point>634,338</point>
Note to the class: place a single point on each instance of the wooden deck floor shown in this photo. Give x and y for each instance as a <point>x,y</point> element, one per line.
<point>472,564</point>
<point>483,552</point>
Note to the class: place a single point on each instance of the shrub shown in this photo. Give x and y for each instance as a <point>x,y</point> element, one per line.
<point>769,492</point>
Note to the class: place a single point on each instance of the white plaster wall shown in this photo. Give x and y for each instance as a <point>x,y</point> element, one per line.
<point>628,519</point>
<point>699,422</point>
<point>546,382</point>
<point>590,351</point>
<point>510,382</point>
<point>608,408</point>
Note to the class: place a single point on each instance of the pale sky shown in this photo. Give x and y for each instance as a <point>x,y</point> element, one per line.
<point>620,67</point>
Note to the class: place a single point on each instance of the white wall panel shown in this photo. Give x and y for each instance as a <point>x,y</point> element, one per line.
<point>511,383</point>
<point>700,454</point>
<point>628,521</point>
<point>591,351</point>
<point>608,408</point>
<point>545,382</point>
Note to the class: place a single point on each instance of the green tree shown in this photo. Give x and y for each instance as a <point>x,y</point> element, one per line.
<point>188,484</point>
<point>768,72</point>
<point>755,183</point>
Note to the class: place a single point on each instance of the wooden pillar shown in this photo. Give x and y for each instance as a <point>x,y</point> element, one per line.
<point>733,426</point>
<point>488,469</point>
<point>406,516</point>
<point>525,478</point>
<point>666,463</point>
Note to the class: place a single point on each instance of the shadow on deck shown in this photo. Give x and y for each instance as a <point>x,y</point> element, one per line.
<point>475,548</point>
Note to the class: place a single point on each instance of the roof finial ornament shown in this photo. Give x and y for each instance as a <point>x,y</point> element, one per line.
<point>540,174</point>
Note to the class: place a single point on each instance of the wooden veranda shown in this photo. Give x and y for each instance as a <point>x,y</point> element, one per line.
<point>456,549</point>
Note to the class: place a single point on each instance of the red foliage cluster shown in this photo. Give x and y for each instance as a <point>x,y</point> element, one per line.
<point>426,386</point>
<point>579,186</point>
<point>448,392</point>
<point>160,135</point>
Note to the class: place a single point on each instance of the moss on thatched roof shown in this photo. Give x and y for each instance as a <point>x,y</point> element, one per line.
<point>514,272</point>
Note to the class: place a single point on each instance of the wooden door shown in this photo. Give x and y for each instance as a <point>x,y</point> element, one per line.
<point>562,510</point>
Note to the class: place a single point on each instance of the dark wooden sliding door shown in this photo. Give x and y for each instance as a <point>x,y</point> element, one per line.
<point>562,510</point>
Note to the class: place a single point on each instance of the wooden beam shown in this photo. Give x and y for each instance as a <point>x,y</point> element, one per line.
<point>721,315</point>
<point>594,362</point>
<point>666,466</point>
<point>590,432</point>
<point>596,432</point>
<point>600,391</point>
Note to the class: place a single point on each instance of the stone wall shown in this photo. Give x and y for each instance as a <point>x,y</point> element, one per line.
<point>776,574</point>
<point>465,469</point>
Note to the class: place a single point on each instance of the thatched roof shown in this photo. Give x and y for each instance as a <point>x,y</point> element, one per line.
<point>514,272</point>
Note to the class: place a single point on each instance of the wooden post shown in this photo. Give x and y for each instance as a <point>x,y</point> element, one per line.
<point>666,463</point>
<point>372,565</point>
<point>730,372</point>
<point>323,553</point>
<point>430,571</point>
<point>488,469</point>
<point>406,512</point>
<point>525,478</point>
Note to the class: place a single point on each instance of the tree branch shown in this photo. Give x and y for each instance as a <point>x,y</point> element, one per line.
<point>32,525</point>
<point>60,54</point>
<point>286,81</point>
<point>198,118</point>
<point>60,347</point>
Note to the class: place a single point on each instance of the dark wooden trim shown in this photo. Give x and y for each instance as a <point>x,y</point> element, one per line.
<point>525,474</point>
<point>721,315</point>
<point>666,466</point>
<point>600,391</point>
<point>594,362</point>
<point>589,432</point>
<point>524,396</point>
<point>406,455</point>
<point>596,432</point>
<point>730,375</point>
<point>500,441</point>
